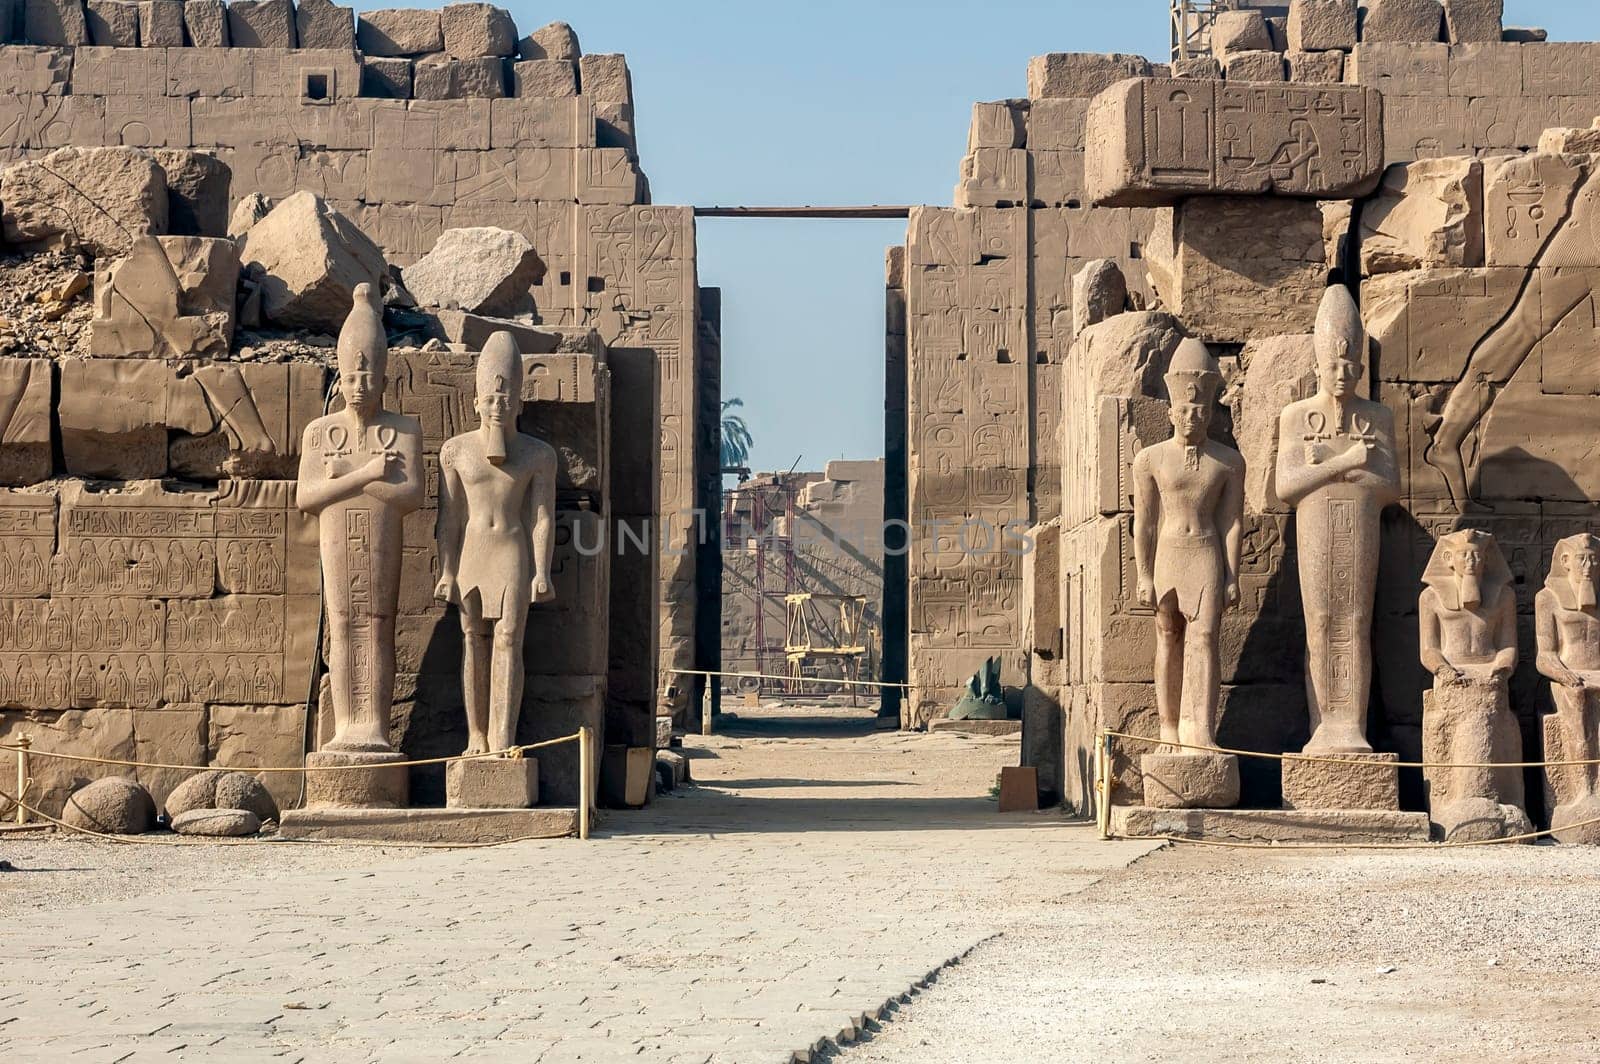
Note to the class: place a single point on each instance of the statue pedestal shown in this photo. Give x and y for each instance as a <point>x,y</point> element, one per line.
<point>380,783</point>
<point>1270,825</point>
<point>430,825</point>
<point>1472,723</point>
<point>1315,785</point>
<point>1190,781</point>
<point>492,783</point>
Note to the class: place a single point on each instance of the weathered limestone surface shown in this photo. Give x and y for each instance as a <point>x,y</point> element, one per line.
<point>1316,785</point>
<point>1316,68</point>
<point>1426,215</point>
<point>544,78</point>
<point>261,23</point>
<point>1159,140</point>
<point>113,23</point>
<point>312,259</point>
<point>399,31</point>
<point>471,31</point>
<point>555,41</point>
<point>98,198</point>
<point>161,23</point>
<point>1322,25</point>
<point>1262,66</point>
<point>386,78</point>
<point>1402,21</point>
<point>324,24</point>
<point>1473,20</point>
<point>1233,267</point>
<point>57,22</point>
<point>206,23</point>
<point>1240,31</point>
<point>1081,74</point>
<point>483,270</point>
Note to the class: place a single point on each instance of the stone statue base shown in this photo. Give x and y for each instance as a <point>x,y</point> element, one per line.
<point>1270,825</point>
<point>1472,723</point>
<point>1568,791</point>
<point>492,783</point>
<point>430,825</point>
<point>1190,781</point>
<point>383,785</point>
<point>1314,785</point>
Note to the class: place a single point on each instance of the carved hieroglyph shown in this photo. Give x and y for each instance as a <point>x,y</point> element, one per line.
<point>1468,618</point>
<point>1188,517</point>
<point>1337,468</point>
<point>496,520</point>
<point>1154,141</point>
<point>360,474</point>
<point>1569,657</point>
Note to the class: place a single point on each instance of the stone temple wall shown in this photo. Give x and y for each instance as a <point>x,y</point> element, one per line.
<point>1470,168</point>
<point>158,591</point>
<point>410,123</point>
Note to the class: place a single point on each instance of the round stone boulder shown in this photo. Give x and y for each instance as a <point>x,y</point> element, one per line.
<point>115,805</point>
<point>240,790</point>
<point>197,792</point>
<point>217,823</point>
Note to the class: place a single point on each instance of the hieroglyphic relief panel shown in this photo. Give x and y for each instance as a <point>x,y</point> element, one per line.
<point>1157,140</point>
<point>143,597</point>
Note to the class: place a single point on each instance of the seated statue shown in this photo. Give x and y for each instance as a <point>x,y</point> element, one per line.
<point>1468,617</point>
<point>1568,623</point>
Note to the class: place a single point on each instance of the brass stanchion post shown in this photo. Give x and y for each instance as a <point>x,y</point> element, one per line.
<point>586,782</point>
<point>22,777</point>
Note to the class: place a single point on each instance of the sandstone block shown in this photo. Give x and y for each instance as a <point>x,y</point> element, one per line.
<point>1241,267</point>
<point>198,184</point>
<point>247,212</point>
<point>1238,139</point>
<point>1426,215</point>
<point>1402,21</point>
<point>1322,25</point>
<point>324,24</point>
<point>199,791</point>
<point>1190,780</point>
<point>438,78</point>
<point>256,736</point>
<point>312,258</point>
<point>1081,74</point>
<point>25,433</point>
<point>1278,370</point>
<point>261,23</point>
<point>1278,26</point>
<point>355,781</point>
<point>1314,785</point>
<point>216,823</point>
<point>993,177</point>
<point>161,23</point>
<point>1099,291</point>
<point>399,31</point>
<point>1240,31</point>
<point>1271,825</point>
<point>1468,21</point>
<point>206,22</point>
<point>1564,141</point>
<point>605,78</point>
<point>555,41</point>
<point>492,783</point>
<point>240,790</point>
<point>1520,188</point>
<point>44,71</point>
<point>472,31</point>
<point>544,78</point>
<point>481,270</point>
<point>114,417</point>
<point>1569,792</point>
<point>1204,67</point>
<point>998,125</point>
<point>386,78</point>
<point>1472,723</point>
<point>113,23</point>
<point>57,22</point>
<point>1525,35</point>
<point>1316,68</point>
<point>115,805</point>
<point>99,199</point>
<point>1253,66</point>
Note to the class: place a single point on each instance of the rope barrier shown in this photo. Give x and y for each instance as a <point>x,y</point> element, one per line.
<point>1316,760</point>
<point>791,679</point>
<point>514,751</point>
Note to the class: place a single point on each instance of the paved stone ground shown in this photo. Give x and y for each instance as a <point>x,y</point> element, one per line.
<point>809,881</point>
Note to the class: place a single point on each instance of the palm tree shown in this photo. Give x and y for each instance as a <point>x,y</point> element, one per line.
<point>736,441</point>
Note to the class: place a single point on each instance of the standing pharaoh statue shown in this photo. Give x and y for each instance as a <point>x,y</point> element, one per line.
<point>360,474</point>
<point>1188,524</point>
<point>1337,468</point>
<point>497,497</point>
<point>1468,619</point>
<point>1568,622</point>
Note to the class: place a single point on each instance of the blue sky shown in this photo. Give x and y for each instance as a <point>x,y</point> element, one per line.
<point>826,102</point>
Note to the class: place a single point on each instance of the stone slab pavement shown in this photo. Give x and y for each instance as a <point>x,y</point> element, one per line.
<point>719,925</point>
